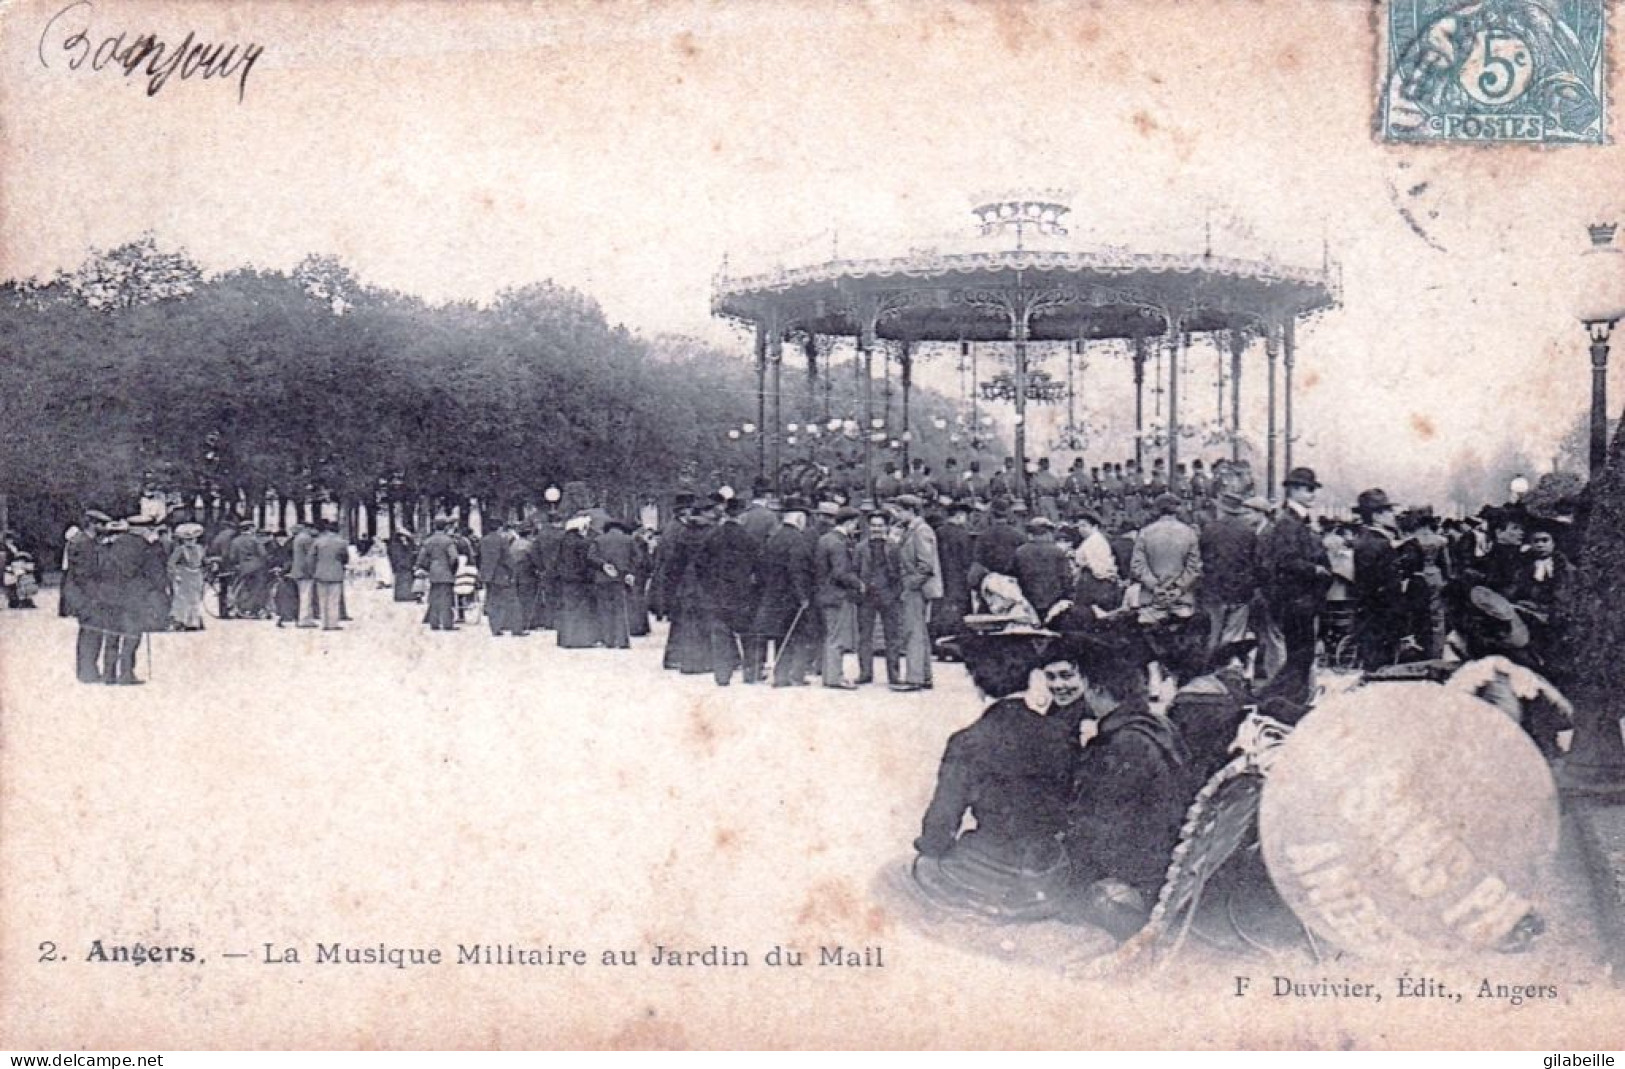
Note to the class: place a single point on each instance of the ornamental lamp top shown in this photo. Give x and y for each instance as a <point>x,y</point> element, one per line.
<point>1600,287</point>
<point>1038,212</point>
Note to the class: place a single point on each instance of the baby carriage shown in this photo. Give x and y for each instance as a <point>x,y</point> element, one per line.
<point>1339,651</point>
<point>21,585</point>
<point>465,587</point>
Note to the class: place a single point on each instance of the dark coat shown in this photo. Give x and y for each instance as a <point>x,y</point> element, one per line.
<point>785,577</point>
<point>956,552</point>
<point>1290,554</point>
<point>614,548</point>
<point>1044,573</point>
<point>438,557</point>
<point>876,563</point>
<point>496,569</point>
<point>1013,770</point>
<point>1133,775</point>
<point>117,585</point>
<point>728,574</point>
<point>835,570</point>
<point>1229,547</point>
<point>1376,574</point>
<point>996,548</point>
<point>79,555</point>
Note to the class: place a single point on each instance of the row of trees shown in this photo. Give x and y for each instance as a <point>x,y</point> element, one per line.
<point>137,372</point>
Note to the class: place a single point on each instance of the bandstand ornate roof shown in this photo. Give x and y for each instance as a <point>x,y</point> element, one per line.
<point>1069,293</point>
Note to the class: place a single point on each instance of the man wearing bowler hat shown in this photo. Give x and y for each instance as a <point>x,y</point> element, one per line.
<point>1296,572</point>
<point>1379,611</point>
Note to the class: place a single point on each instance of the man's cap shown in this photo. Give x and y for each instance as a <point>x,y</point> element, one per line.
<point>828,508</point>
<point>909,501</point>
<point>847,512</point>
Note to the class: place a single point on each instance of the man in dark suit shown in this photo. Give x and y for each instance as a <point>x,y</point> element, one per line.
<point>1229,546</point>
<point>502,609</point>
<point>117,601</point>
<point>838,591</point>
<point>996,548</point>
<point>876,561</point>
<point>1379,605</point>
<point>1296,572</point>
<point>1042,568</point>
<point>437,559</point>
<point>758,520</point>
<point>785,574</point>
<point>728,575</point>
<point>956,551</point>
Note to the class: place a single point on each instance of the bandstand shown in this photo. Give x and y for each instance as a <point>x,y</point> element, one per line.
<point>1016,279</point>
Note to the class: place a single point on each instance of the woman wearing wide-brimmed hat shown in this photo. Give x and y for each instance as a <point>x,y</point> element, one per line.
<point>186,579</point>
<point>1012,770</point>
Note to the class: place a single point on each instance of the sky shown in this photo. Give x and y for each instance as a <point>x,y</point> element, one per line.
<point>452,150</point>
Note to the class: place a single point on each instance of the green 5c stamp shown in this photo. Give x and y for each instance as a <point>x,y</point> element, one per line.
<point>1495,70</point>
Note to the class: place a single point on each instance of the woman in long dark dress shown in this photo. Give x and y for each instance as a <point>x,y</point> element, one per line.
<point>688,643</point>
<point>403,553</point>
<point>577,626</point>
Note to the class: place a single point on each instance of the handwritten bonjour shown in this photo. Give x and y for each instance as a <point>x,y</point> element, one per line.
<point>145,53</point>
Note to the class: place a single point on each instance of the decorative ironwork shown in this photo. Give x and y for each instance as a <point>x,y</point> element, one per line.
<point>1042,388</point>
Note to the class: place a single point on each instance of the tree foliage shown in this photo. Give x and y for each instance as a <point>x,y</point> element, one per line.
<point>136,372</point>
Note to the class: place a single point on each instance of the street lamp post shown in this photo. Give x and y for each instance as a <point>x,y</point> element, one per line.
<point>1602,304</point>
<point>1596,759</point>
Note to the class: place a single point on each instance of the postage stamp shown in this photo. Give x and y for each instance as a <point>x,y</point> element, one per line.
<point>1495,70</point>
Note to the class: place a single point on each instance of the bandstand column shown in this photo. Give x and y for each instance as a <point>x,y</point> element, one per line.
<point>1176,342</point>
<point>773,430</point>
<point>1021,407</point>
<point>1139,401</point>
<point>1238,346</point>
<point>761,394</point>
<point>1289,348</point>
<point>809,412</point>
<point>1272,352</point>
<point>905,364</point>
<point>866,348</point>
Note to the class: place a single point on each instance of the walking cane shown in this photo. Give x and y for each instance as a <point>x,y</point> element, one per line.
<point>784,642</point>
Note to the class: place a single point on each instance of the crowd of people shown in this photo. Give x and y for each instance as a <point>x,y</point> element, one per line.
<point>780,587</point>
<point>1117,622</point>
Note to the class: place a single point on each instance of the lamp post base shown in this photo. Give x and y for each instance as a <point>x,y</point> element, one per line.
<point>1595,765</point>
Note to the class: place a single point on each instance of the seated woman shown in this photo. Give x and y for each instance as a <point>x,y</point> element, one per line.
<point>1012,772</point>
<point>1131,783</point>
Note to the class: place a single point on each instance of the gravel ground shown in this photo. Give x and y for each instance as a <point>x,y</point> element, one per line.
<point>273,789</point>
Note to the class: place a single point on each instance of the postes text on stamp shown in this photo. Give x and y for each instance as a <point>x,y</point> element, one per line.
<point>1495,70</point>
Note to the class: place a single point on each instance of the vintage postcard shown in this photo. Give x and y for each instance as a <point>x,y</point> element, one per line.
<point>885,524</point>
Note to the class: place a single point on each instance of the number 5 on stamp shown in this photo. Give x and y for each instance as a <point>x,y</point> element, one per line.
<point>1495,70</point>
